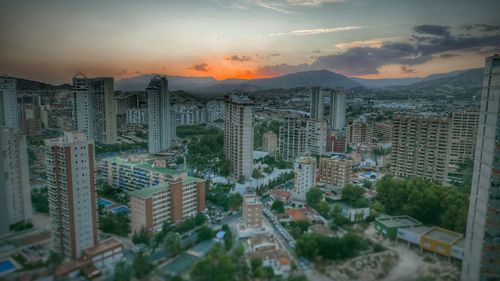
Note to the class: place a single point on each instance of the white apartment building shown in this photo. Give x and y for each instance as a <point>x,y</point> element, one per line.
<point>337,109</point>
<point>305,172</point>
<point>137,116</point>
<point>9,109</point>
<point>316,137</point>
<point>15,190</point>
<point>170,202</point>
<point>215,110</point>
<point>72,201</point>
<point>95,107</point>
<point>133,173</point>
<point>238,134</point>
<point>159,116</point>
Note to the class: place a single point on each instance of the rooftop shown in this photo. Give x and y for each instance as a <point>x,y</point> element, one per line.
<point>252,200</point>
<point>147,165</point>
<point>398,221</point>
<point>443,235</point>
<point>149,191</point>
<point>239,99</point>
<point>418,229</point>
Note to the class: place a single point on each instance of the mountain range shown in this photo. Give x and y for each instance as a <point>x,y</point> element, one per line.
<point>322,78</point>
<point>462,79</point>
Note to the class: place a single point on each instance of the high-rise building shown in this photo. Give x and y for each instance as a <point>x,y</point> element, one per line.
<point>252,211</point>
<point>9,113</point>
<point>316,137</point>
<point>317,104</point>
<point>95,108</point>
<point>72,201</point>
<point>15,188</point>
<point>169,202</point>
<point>360,131</point>
<point>159,116</point>
<point>337,109</point>
<point>464,126</point>
<point>292,138</point>
<point>382,132</point>
<point>215,110</point>
<point>420,146</point>
<point>335,171</point>
<point>238,134</point>
<point>304,176</point>
<point>482,240</point>
<point>31,120</point>
<point>270,142</point>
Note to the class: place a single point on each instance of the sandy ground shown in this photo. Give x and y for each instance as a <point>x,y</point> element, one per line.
<point>41,221</point>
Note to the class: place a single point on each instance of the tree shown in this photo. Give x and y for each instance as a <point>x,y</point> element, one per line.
<point>54,260</point>
<point>115,223</point>
<point>367,184</point>
<point>141,237</point>
<point>228,237</point>
<point>173,243</point>
<point>40,200</point>
<point>142,265</point>
<point>278,206</point>
<point>352,194</point>
<point>313,197</point>
<point>205,233</point>
<point>123,272</point>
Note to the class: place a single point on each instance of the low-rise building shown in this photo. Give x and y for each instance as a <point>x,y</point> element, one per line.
<point>389,225</point>
<point>166,202</point>
<point>135,173</point>
<point>335,171</point>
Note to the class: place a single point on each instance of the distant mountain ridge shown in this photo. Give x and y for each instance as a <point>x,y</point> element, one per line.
<point>322,78</point>
<point>462,79</point>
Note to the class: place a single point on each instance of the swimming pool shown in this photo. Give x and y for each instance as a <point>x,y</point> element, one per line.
<point>104,202</point>
<point>368,175</point>
<point>6,266</point>
<point>120,209</point>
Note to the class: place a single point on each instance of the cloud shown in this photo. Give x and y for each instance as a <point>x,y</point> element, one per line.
<point>448,55</point>
<point>274,55</point>
<point>407,70</point>
<point>481,27</point>
<point>239,58</point>
<point>200,67</point>
<point>280,6</point>
<point>316,52</point>
<point>305,32</point>
<point>426,43</point>
<point>374,43</point>
<point>436,30</point>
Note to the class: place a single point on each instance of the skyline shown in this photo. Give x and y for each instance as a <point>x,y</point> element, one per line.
<point>245,38</point>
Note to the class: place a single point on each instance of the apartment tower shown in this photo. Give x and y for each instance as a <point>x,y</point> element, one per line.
<point>420,146</point>
<point>72,201</point>
<point>317,104</point>
<point>270,142</point>
<point>9,115</point>
<point>159,116</point>
<point>292,138</point>
<point>238,134</point>
<point>482,241</point>
<point>337,109</point>
<point>15,190</point>
<point>95,107</point>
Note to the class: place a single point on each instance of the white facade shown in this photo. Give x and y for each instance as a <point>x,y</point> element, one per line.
<point>482,241</point>
<point>337,109</point>
<point>316,137</point>
<point>15,188</point>
<point>317,104</point>
<point>9,115</point>
<point>215,110</point>
<point>305,172</point>
<point>95,108</point>
<point>137,116</point>
<point>238,134</point>
<point>72,206</point>
<point>159,116</point>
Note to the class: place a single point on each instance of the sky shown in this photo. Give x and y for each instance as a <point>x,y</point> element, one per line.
<point>52,40</point>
